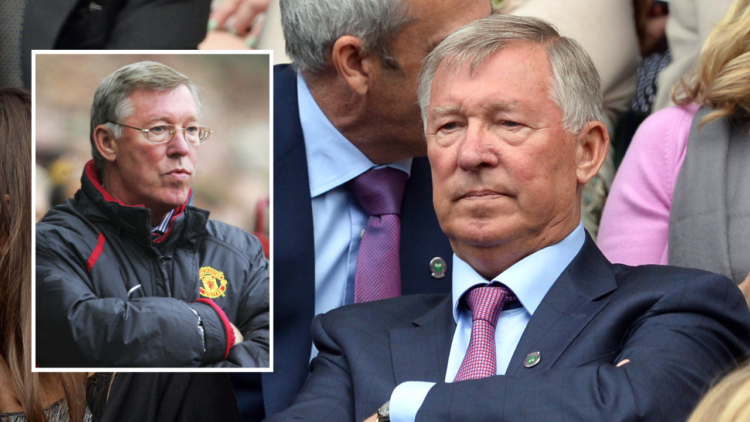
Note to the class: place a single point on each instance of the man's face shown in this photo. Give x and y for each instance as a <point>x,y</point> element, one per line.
<point>503,168</point>
<point>157,176</point>
<point>394,93</point>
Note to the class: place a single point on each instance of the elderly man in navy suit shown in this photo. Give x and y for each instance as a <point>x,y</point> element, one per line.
<point>540,326</point>
<point>353,219</point>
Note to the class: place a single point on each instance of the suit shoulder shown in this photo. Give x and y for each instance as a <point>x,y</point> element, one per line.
<point>663,280</point>
<point>666,275</point>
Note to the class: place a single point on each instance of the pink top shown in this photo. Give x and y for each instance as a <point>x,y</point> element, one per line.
<point>635,224</point>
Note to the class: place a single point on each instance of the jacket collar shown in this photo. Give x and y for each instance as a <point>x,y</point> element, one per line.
<point>135,220</point>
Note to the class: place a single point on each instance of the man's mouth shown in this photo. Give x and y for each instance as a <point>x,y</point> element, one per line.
<point>179,173</point>
<point>482,194</point>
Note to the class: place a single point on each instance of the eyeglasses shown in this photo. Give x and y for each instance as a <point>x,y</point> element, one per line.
<point>161,134</point>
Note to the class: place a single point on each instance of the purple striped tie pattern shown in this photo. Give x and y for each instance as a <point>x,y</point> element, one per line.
<point>378,273</point>
<point>485,304</point>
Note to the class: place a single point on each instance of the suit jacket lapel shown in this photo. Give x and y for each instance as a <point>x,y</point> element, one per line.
<point>420,352</point>
<point>293,250</point>
<point>572,302</point>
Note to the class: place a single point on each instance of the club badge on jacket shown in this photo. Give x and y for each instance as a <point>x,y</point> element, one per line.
<point>214,283</point>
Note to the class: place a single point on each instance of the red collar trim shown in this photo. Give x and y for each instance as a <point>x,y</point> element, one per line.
<point>178,211</point>
<point>95,178</point>
<point>93,174</point>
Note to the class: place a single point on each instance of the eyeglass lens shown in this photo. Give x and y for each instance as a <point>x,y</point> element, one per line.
<point>164,133</point>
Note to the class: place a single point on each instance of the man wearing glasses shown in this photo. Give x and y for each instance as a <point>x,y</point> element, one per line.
<point>129,273</point>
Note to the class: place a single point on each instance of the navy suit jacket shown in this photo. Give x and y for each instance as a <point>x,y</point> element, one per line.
<point>294,255</point>
<point>679,328</point>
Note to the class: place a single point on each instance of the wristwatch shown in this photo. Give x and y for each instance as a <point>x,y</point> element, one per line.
<point>384,413</point>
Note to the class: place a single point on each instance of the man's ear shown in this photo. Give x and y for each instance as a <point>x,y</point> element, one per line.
<point>352,65</point>
<point>593,145</point>
<point>105,143</point>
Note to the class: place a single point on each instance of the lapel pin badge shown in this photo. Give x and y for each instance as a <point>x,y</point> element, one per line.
<point>532,359</point>
<point>438,267</point>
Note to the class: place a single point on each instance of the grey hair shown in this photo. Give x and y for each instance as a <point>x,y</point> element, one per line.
<point>112,97</point>
<point>312,27</point>
<point>576,86</point>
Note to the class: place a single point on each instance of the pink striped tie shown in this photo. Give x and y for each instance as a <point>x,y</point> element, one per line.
<point>378,274</point>
<point>485,304</point>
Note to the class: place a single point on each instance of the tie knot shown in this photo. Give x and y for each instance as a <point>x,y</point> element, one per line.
<point>487,302</point>
<point>380,190</point>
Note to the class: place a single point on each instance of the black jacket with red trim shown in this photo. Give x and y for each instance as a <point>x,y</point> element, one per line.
<point>110,295</point>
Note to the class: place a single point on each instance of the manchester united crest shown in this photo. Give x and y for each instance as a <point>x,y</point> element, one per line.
<point>214,283</point>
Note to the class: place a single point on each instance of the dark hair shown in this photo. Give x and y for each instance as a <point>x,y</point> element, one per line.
<point>15,264</point>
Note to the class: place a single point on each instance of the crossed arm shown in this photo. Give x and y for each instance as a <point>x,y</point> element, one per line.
<point>675,347</point>
<point>77,328</point>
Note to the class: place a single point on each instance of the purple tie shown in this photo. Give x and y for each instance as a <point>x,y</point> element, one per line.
<point>485,304</point>
<point>378,274</point>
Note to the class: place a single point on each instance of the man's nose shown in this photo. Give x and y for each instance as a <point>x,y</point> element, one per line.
<point>178,146</point>
<point>476,149</point>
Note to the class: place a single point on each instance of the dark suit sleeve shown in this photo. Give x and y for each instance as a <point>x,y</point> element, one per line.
<point>676,348</point>
<point>328,394</point>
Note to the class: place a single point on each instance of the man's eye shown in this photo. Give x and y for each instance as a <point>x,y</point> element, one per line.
<point>448,126</point>
<point>158,129</point>
<point>192,129</point>
<point>510,123</point>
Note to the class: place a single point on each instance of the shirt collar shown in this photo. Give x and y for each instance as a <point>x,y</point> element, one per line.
<point>530,278</point>
<point>331,159</point>
<point>162,227</point>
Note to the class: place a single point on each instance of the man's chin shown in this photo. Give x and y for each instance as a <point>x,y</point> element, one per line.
<point>175,199</point>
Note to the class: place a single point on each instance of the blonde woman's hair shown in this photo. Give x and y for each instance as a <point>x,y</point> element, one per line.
<point>728,401</point>
<point>722,77</point>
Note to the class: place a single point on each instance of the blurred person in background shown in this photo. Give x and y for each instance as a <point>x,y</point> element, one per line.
<point>100,24</point>
<point>129,272</point>
<point>680,196</point>
<point>236,24</point>
<point>39,396</point>
<point>688,26</point>
<point>118,24</point>
<point>727,401</point>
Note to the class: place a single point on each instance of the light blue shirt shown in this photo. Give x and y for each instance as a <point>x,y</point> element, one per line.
<point>338,219</point>
<point>530,279</point>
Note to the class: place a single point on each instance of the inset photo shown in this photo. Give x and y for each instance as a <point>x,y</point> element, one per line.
<point>152,193</point>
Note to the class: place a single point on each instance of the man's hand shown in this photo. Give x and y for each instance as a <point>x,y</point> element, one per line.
<point>242,12</point>
<point>745,288</point>
<point>372,418</point>
<point>238,337</point>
